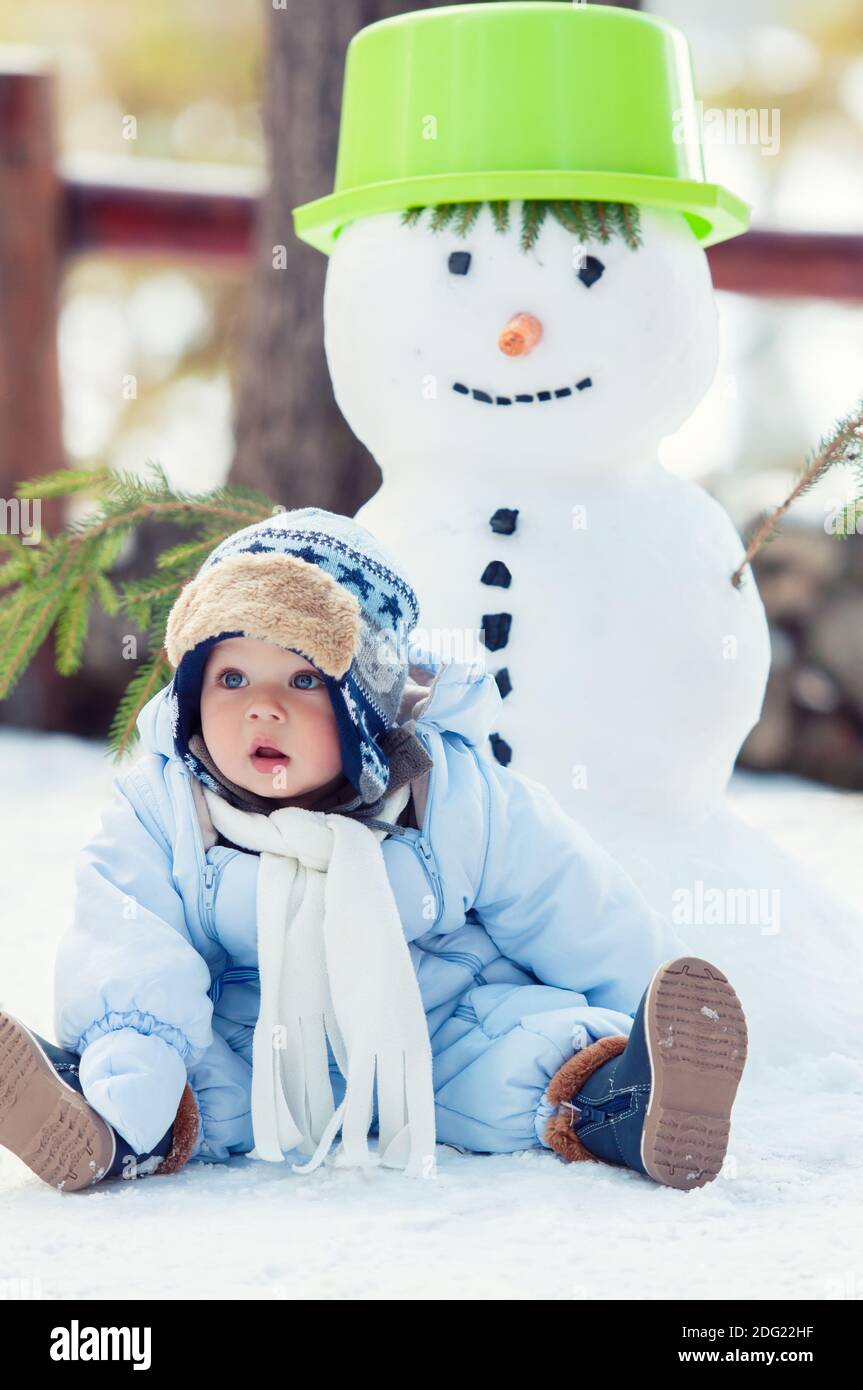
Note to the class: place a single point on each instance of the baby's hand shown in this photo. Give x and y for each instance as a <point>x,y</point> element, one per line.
<point>135,1081</point>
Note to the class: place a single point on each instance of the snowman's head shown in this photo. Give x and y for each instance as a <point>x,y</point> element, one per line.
<point>521,337</point>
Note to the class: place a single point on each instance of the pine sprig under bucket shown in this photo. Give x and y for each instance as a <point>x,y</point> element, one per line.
<point>586,219</point>
<point>54,584</point>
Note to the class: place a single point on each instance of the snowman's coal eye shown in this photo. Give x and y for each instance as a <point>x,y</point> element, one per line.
<point>459,262</point>
<point>590,271</point>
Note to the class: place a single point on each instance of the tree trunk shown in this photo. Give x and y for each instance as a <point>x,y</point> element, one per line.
<point>291,439</point>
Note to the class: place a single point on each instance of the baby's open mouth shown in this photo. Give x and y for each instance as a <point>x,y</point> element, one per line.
<point>522,398</point>
<point>266,757</point>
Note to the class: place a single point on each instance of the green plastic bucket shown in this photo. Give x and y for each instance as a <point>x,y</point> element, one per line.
<point>519,99</point>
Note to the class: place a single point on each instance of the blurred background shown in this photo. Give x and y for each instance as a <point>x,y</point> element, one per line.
<point>141,299</point>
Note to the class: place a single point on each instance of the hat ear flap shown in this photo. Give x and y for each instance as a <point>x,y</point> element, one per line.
<point>186,687</point>
<point>363,762</point>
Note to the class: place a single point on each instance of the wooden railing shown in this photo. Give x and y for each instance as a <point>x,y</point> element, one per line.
<point>50,212</point>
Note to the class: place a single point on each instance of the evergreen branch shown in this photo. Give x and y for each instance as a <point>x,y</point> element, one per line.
<point>63,482</point>
<point>139,595</point>
<point>30,631</point>
<point>599,220</point>
<point>466,216</point>
<point>624,218</point>
<point>500,214</point>
<point>533,211</point>
<point>71,629</point>
<point>442,215</point>
<point>17,570</point>
<point>183,513</point>
<point>592,218</point>
<point>844,444</point>
<point>584,217</point>
<point>188,553</point>
<point>10,610</point>
<point>107,594</point>
<point>58,581</point>
<point>155,673</point>
<point>571,216</point>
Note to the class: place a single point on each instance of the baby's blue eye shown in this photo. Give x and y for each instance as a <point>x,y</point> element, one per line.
<point>307,676</point>
<point>228,674</point>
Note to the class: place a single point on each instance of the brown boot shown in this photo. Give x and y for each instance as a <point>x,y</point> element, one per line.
<point>184,1130</point>
<point>565,1084</point>
<point>659,1101</point>
<point>46,1121</point>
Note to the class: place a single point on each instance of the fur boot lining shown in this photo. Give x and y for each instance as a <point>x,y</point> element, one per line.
<point>185,1135</point>
<point>565,1084</point>
<point>274,597</point>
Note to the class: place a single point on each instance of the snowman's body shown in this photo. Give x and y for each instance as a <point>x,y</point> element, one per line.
<point>635,667</point>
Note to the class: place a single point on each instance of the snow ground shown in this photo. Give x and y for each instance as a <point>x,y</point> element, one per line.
<point>782,1221</point>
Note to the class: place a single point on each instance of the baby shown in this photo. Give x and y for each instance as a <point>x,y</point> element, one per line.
<point>317,902</point>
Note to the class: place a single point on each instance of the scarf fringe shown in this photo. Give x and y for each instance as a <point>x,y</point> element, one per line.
<point>406,1123</point>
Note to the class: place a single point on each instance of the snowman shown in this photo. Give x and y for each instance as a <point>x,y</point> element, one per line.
<point>518,309</point>
<point>515,401</point>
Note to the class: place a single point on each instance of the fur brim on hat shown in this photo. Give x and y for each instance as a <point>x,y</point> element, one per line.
<point>273,597</point>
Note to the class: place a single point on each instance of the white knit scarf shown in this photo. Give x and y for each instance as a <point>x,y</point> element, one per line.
<point>333,962</point>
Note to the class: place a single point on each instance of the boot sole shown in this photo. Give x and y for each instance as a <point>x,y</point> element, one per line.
<point>45,1121</point>
<point>697,1042</point>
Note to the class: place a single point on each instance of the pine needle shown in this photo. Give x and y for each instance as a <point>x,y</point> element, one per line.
<point>533,212</point>
<point>152,676</point>
<point>442,215</point>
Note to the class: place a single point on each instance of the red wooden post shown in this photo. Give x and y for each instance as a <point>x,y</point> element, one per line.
<point>30,437</point>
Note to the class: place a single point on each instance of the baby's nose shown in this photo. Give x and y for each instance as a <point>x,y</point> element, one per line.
<point>520,335</point>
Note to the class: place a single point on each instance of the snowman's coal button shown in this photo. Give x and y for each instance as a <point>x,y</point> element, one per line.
<point>504,684</point>
<point>500,748</point>
<point>497,573</point>
<point>459,261</point>
<point>495,628</point>
<point>504,520</point>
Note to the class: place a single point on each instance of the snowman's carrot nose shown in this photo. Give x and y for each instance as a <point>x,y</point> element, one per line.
<point>520,335</point>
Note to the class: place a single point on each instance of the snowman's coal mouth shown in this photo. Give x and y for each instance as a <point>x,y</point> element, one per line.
<point>523,398</point>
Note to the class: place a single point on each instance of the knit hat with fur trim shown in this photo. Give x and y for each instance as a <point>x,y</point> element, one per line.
<point>319,585</point>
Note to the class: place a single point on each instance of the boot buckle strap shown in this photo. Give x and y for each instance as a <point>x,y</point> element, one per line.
<point>586,1112</point>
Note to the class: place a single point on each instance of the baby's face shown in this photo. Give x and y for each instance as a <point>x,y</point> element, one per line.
<point>256,692</point>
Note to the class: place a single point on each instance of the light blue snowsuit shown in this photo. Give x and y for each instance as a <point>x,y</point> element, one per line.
<point>528,940</point>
